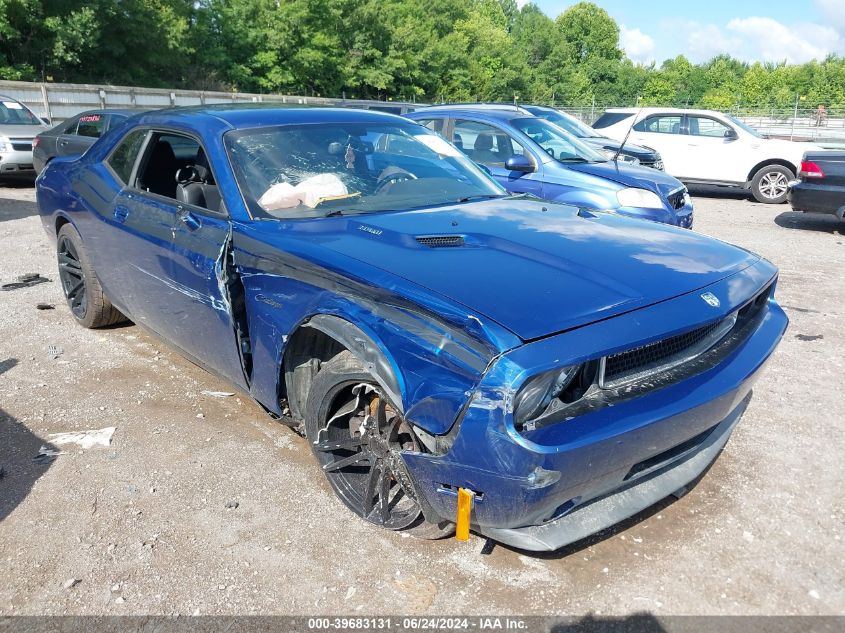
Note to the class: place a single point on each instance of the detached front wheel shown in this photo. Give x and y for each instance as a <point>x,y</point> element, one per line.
<point>357,436</point>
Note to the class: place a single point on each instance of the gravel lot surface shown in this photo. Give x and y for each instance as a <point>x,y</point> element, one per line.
<point>142,526</point>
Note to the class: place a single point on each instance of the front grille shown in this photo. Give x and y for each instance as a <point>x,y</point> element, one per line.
<point>647,368</point>
<point>660,356</point>
<point>441,241</point>
<point>626,365</point>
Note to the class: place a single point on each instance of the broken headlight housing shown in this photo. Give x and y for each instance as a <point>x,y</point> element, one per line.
<point>538,392</point>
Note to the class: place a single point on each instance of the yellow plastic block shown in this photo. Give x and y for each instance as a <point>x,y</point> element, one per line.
<point>465,498</point>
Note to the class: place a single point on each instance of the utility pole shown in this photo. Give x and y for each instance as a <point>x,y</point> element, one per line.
<point>794,116</point>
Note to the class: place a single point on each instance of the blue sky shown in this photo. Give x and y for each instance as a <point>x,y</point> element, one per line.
<point>795,31</point>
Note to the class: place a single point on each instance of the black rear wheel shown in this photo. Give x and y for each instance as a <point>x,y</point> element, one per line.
<point>81,287</point>
<point>357,436</point>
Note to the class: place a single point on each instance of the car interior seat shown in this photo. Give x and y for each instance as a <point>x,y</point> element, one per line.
<point>160,169</point>
<point>482,149</point>
<point>676,128</point>
<point>458,142</point>
<point>195,184</point>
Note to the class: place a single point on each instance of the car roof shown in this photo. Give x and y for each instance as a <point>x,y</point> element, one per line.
<point>504,113</point>
<point>656,110</point>
<point>260,114</point>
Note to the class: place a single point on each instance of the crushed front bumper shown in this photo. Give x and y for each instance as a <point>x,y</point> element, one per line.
<point>547,487</point>
<point>626,501</point>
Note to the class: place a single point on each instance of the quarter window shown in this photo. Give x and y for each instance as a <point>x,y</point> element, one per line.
<point>123,157</point>
<point>435,125</point>
<point>660,125</point>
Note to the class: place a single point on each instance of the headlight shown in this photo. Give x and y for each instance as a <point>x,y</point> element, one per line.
<point>5,144</point>
<point>634,197</point>
<point>538,392</point>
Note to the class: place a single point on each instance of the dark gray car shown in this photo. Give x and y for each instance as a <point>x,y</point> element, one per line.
<point>74,136</point>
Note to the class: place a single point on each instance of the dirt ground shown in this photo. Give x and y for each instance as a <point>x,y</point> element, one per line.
<point>143,527</point>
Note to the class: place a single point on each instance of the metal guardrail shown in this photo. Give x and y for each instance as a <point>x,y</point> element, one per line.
<point>58,101</point>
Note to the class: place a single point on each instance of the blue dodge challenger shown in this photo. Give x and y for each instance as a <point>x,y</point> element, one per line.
<point>432,336</point>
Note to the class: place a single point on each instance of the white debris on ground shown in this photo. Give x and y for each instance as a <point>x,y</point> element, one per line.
<point>85,439</point>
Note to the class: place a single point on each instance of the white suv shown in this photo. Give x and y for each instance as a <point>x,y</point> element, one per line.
<point>707,147</point>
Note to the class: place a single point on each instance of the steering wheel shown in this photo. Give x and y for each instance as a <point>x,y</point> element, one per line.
<point>387,180</point>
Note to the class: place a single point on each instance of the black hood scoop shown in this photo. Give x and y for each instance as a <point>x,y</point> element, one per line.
<point>440,241</point>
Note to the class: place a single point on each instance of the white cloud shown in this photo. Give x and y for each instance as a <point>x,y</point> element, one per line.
<point>638,46</point>
<point>754,39</point>
<point>769,40</point>
<point>833,12</point>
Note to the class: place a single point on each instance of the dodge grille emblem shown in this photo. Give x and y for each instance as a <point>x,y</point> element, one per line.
<point>711,299</point>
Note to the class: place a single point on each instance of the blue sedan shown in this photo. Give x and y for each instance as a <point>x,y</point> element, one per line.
<point>432,336</point>
<point>528,154</point>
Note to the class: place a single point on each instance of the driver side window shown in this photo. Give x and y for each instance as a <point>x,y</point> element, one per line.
<point>175,166</point>
<point>484,143</point>
<point>704,126</point>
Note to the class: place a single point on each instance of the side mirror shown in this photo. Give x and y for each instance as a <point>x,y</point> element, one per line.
<point>519,163</point>
<point>45,120</point>
<point>731,135</point>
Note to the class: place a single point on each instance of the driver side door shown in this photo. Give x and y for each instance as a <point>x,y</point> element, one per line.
<point>491,146</point>
<point>175,252</point>
<point>715,154</point>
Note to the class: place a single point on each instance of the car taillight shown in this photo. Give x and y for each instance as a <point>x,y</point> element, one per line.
<point>35,142</point>
<point>810,170</point>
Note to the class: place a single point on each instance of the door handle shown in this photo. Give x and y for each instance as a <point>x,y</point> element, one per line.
<point>191,222</point>
<point>63,143</point>
<point>121,212</point>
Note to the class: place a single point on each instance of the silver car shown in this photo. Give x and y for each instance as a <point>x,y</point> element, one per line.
<point>18,126</point>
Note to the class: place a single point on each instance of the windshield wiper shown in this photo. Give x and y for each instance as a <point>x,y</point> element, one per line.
<point>481,196</point>
<point>333,214</point>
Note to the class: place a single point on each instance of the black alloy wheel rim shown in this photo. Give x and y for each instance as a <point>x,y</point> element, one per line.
<point>358,448</point>
<point>72,278</point>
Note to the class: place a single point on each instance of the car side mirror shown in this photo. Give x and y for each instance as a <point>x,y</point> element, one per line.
<point>519,163</point>
<point>45,120</point>
<point>731,135</point>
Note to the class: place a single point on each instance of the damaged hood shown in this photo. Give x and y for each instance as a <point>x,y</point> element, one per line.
<point>632,176</point>
<point>534,268</point>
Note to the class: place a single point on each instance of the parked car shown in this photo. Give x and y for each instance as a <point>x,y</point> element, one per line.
<point>707,147</point>
<point>820,187</point>
<point>76,134</point>
<point>527,154</point>
<point>606,146</point>
<point>431,335</point>
<point>18,127</point>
